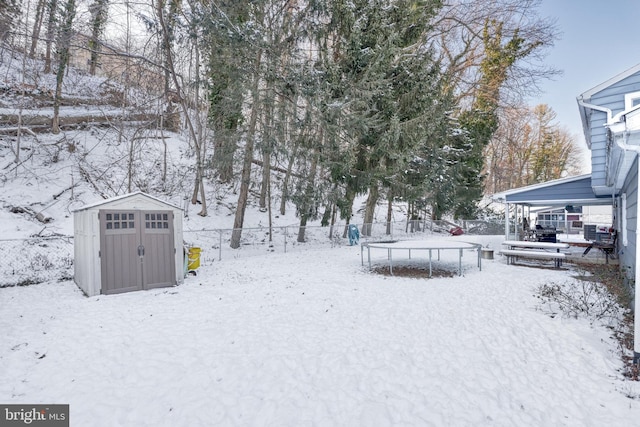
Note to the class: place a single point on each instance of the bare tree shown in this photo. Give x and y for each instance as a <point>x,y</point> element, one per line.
<point>529,147</point>
<point>52,24</point>
<point>188,105</point>
<point>99,10</point>
<point>37,27</point>
<point>458,39</point>
<point>245,180</point>
<point>63,44</point>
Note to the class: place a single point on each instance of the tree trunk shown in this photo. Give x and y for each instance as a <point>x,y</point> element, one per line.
<point>266,179</point>
<point>132,144</point>
<point>267,145</point>
<point>270,215</point>
<point>51,29</point>
<point>326,216</point>
<point>99,10</point>
<point>196,135</point>
<point>347,211</point>
<point>303,227</point>
<point>63,59</point>
<point>305,214</point>
<point>37,27</point>
<point>389,212</point>
<point>334,211</point>
<point>370,208</point>
<point>287,178</point>
<point>203,198</point>
<point>200,145</point>
<point>245,181</point>
<point>224,150</point>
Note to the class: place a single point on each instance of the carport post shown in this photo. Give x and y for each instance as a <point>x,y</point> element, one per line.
<point>506,222</point>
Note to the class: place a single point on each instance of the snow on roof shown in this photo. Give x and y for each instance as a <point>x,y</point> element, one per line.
<point>122,197</point>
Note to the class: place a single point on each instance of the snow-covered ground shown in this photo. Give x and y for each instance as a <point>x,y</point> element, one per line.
<point>313,338</point>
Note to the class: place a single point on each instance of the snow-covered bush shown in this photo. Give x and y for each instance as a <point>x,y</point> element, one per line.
<point>580,298</point>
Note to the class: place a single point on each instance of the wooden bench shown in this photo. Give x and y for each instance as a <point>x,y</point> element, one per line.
<point>535,250</point>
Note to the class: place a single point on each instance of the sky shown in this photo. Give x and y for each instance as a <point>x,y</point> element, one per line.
<point>598,41</point>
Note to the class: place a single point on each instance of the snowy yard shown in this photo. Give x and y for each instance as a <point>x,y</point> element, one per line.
<point>313,338</point>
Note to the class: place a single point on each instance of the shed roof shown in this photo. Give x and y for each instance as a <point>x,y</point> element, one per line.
<point>575,190</point>
<point>125,196</point>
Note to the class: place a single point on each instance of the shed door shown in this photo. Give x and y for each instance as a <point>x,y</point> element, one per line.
<point>136,250</point>
<point>158,266</point>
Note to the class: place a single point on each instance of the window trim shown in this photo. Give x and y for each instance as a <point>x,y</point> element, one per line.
<point>629,98</point>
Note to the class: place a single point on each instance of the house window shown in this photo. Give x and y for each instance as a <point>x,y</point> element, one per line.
<point>631,100</point>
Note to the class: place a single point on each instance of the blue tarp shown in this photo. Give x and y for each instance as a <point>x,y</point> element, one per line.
<point>354,235</point>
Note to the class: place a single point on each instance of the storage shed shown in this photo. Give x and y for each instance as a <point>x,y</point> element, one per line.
<point>127,243</point>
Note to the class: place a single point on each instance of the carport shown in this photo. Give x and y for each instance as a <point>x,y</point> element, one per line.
<point>564,192</point>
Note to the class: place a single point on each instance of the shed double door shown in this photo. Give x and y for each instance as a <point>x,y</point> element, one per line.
<point>136,250</point>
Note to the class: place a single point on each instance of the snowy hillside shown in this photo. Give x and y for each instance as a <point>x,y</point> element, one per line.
<point>56,174</point>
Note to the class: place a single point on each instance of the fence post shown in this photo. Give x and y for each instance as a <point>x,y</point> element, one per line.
<point>285,240</point>
<point>220,245</point>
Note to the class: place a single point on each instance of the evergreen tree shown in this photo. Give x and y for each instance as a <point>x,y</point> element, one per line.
<point>228,39</point>
<point>8,11</point>
<point>380,78</point>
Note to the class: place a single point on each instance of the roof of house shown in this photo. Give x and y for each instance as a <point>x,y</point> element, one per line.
<point>585,97</point>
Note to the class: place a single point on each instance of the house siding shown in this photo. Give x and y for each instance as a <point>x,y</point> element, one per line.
<point>628,253</point>
<point>598,147</point>
<point>612,98</point>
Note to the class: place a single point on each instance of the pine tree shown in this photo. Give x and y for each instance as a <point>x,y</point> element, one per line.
<point>377,69</point>
<point>8,12</point>
<point>230,52</point>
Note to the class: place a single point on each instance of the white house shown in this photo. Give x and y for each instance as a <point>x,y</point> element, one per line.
<point>127,243</point>
<point>610,114</point>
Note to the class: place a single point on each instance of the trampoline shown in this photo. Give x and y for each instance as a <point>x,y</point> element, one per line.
<point>422,245</point>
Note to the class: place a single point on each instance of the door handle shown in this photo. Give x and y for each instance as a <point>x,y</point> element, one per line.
<point>141,251</point>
